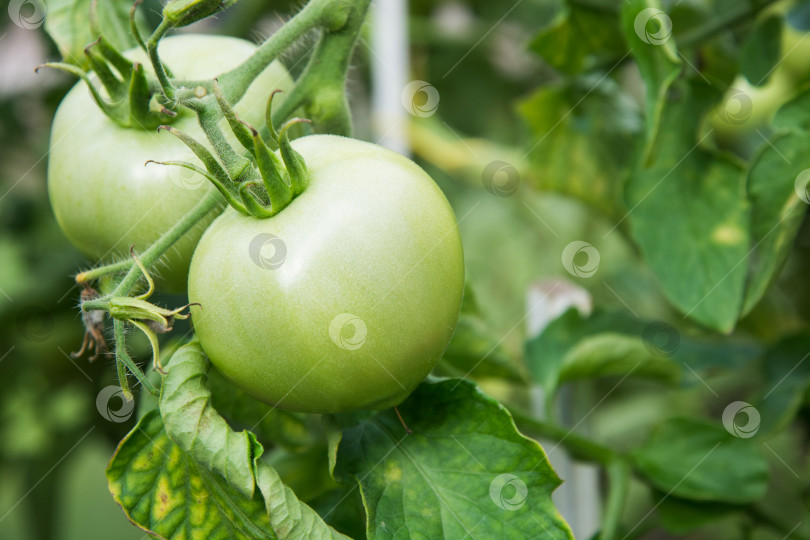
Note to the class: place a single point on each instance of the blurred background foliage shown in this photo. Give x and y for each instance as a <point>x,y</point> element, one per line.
<point>507,76</point>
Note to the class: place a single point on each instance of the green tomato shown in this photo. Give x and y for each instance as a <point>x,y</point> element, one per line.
<point>344,300</point>
<point>105,199</point>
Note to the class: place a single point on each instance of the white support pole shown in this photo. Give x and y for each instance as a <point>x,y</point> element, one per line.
<point>578,499</point>
<point>389,73</point>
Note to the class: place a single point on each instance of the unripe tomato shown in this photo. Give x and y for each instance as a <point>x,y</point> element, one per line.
<point>103,196</point>
<point>344,300</point>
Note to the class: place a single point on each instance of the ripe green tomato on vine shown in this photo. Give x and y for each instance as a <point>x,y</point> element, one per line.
<point>104,196</point>
<point>344,300</point>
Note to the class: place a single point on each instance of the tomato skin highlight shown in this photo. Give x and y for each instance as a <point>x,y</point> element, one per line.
<point>103,196</point>
<point>344,300</point>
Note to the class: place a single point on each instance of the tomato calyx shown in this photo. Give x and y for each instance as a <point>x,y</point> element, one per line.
<point>147,317</point>
<point>132,100</point>
<point>259,185</point>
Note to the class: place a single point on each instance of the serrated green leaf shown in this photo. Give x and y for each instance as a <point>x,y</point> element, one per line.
<point>584,134</point>
<point>690,217</point>
<point>579,38</point>
<point>610,354</point>
<point>761,52</point>
<point>229,457</point>
<point>776,209</point>
<point>574,346</point>
<point>165,492</point>
<point>465,471</point>
<point>647,30</point>
<point>68,24</point>
<point>700,461</point>
<point>193,423</point>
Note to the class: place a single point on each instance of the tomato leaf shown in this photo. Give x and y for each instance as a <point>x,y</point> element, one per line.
<point>465,469</point>
<point>690,217</point>
<point>193,423</point>
<point>647,30</point>
<point>579,38</point>
<point>586,117</point>
<point>68,24</point>
<point>776,182</point>
<point>760,52</point>
<point>168,480</point>
<point>165,492</point>
<point>696,460</point>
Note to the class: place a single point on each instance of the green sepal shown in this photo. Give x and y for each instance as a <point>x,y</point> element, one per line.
<point>273,174</point>
<point>239,130</point>
<point>221,187</point>
<point>254,207</point>
<point>114,86</point>
<point>296,167</point>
